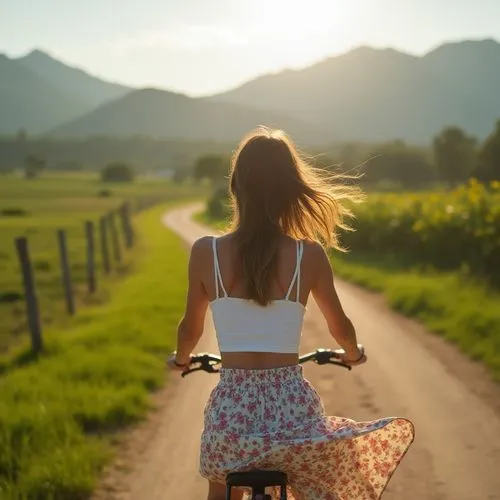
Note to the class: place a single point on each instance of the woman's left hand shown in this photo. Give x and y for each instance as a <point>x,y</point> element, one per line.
<point>174,365</point>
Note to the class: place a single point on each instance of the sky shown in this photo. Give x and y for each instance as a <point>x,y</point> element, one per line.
<point>200,47</point>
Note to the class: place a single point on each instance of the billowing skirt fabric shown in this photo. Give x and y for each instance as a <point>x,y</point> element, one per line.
<point>274,419</point>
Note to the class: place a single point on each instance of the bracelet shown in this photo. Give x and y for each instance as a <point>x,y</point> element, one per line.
<point>355,360</point>
<point>179,365</point>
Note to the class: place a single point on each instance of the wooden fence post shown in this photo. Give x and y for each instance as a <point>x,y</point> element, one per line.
<point>127,225</point>
<point>30,295</point>
<point>103,228</point>
<point>115,241</point>
<point>128,213</point>
<point>89,232</point>
<point>66,272</point>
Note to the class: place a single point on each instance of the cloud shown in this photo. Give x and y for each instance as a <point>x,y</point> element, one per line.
<point>185,38</point>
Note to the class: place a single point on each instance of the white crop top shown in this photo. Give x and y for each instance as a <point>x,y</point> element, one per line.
<point>242,325</point>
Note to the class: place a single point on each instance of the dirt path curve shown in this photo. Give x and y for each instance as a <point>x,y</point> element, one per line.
<point>455,408</point>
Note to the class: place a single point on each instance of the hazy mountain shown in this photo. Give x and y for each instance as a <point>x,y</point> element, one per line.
<point>472,71</point>
<point>364,94</point>
<point>28,101</point>
<point>383,94</point>
<point>73,81</point>
<point>160,113</point>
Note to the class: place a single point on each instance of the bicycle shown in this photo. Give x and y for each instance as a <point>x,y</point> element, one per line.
<point>259,480</point>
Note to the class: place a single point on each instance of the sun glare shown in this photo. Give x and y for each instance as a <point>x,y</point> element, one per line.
<point>304,16</point>
<point>299,30</point>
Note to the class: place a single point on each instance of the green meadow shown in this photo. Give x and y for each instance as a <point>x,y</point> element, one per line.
<point>59,414</point>
<point>36,209</point>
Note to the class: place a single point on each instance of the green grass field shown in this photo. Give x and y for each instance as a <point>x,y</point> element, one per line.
<point>54,202</point>
<point>59,415</point>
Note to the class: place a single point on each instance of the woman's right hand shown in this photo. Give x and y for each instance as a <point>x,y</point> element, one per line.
<point>174,365</point>
<point>352,359</point>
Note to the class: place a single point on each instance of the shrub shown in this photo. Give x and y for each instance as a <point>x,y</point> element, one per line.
<point>10,297</point>
<point>42,265</point>
<point>104,193</point>
<point>214,167</point>
<point>34,166</point>
<point>117,172</point>
<point>447,230</point>
<point>13,212</point>
<point>218,204</point>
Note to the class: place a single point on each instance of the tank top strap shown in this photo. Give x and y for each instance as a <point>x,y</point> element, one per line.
<point>299,261</point>
<point>296,274</point>
<point>217,273</point>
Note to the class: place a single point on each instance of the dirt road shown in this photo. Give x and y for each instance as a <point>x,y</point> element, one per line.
<point>453,404</point>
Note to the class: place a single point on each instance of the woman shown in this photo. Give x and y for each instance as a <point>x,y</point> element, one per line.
<point>257,279</point>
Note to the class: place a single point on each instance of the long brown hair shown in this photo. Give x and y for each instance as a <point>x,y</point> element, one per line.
<point>275,192</point>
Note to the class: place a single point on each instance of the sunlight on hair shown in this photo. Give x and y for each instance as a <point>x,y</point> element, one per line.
<point>275,192</point>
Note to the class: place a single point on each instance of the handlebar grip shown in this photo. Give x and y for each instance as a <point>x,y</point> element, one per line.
<point>207,362</point>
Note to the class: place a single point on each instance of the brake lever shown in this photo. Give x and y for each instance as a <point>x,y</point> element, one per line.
<point>339,363</point>
<point>191,370</point>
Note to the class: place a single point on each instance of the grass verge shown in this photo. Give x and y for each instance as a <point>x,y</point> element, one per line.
<point>58,414</point>
<point>463,311</point>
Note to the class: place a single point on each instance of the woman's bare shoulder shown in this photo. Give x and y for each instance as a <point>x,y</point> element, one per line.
<point>203,242</point>
<point>201,248</point>
<point>315,257</point>
<point>313,249</point>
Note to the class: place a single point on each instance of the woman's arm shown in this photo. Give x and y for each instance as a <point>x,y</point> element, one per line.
<point>190,328</point>
<point>325,295</point>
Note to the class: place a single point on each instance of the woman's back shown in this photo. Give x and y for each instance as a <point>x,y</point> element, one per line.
<point>251,335</point>
<point>230,268</point>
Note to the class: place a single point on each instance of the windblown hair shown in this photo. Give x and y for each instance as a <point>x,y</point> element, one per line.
<point>275,192</point>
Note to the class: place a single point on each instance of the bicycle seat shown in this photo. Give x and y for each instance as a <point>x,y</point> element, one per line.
<point>257,478</point>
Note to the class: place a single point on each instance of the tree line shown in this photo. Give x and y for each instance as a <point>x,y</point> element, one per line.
<point>453,157</point>
<point>145,153</point>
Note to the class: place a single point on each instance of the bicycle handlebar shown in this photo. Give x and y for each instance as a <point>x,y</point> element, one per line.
<point>207,362</point>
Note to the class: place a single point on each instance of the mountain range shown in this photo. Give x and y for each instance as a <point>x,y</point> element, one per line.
<point>365,94</point>
<point>384,94</point>
<point>38,92</point>
<point>158,113</point>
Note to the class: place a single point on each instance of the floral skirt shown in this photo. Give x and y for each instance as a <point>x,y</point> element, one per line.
<point>274,419</point>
